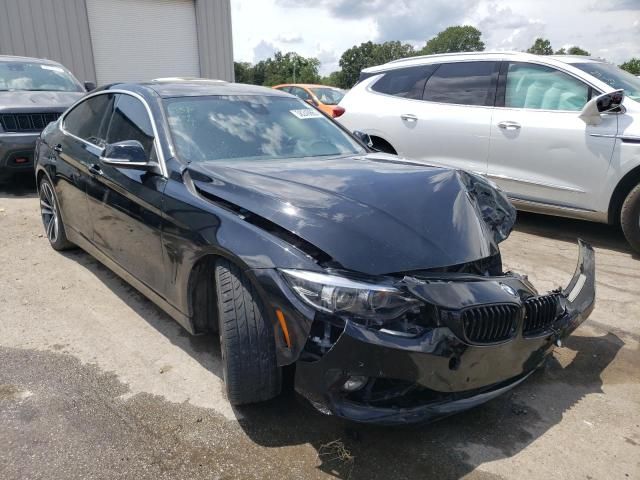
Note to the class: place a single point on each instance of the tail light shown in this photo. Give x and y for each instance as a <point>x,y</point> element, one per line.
<point>337,111</point>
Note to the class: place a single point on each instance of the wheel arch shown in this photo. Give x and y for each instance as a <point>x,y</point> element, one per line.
<point>624,186</point>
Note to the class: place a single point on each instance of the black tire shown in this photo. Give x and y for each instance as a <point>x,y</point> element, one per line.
<point>51,219</point>
<point>630,218</point>
<point>251,373</point>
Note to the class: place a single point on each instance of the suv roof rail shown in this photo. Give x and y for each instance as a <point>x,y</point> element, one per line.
<point>437,55</point>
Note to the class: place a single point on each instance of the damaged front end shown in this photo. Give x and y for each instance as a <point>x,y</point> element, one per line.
<point>419,347</point>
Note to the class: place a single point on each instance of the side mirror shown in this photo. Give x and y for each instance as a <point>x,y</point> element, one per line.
<point>607,102</point>
<point>364,138</point>
<point>88,86</point>
<point>126,154</point>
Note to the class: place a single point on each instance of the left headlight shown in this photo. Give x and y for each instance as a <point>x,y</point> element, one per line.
<point>340,295</point>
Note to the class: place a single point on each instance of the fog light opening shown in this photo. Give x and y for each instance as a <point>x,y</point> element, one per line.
<point>454,363</point>
<point>354,383</point>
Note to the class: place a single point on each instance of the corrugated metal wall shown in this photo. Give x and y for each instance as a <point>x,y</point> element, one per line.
<point>215,38</point>
<point>53,29</point>
<point>59,30</point>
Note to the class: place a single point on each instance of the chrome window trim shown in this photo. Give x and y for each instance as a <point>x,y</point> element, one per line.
<point>156,141</point>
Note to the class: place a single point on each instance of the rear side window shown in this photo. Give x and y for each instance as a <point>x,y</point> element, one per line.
<point>300,93</point>
<point>404,82</point>
<point>463,83</point>
<point>130,121</point>
<point>86,119</point>
<point>543,88</point>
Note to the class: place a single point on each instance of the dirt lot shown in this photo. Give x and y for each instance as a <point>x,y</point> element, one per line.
<point>96,382</point>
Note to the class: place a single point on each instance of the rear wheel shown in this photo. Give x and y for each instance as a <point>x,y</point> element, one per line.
<point>630,218</point>
<point>251,373</point>
<point>50,212</point>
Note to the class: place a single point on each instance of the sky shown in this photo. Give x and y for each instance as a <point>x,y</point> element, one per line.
<point>325,28</point>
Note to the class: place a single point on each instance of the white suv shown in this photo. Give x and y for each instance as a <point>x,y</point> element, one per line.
<point>554,132</point>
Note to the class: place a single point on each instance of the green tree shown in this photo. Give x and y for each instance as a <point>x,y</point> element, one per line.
<point>288,68</point>
<point>562,51</point>
<point>369,54</point>
<point>632,66</point>
<point>577,51</point>
<point>243,72</point>
<point>460,38</point>
<point>334,79</point>
<point>541,46</point>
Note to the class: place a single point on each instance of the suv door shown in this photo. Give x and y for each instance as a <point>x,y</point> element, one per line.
<point>77,148</point>
<point>541,151</point>
<point>443,115</point>
<point>126,203</point>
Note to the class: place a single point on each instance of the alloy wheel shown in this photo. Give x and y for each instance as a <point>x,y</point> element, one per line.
<point>49,212</point>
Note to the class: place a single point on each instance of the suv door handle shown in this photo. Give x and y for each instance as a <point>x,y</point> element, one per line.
<point>95,169</point>
<point>508,125</point>
<point>409,117</point>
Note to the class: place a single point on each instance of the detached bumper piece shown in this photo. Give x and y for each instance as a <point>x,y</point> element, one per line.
<point>484,336</point>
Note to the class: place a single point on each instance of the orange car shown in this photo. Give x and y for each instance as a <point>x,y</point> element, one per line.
<point>323,97</point>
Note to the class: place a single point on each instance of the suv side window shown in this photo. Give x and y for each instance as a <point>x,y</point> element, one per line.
<point>543,88</point>
<point>130,121</point>
<point>87,119</point>
<point>463,83</point>
<point>404,82</point>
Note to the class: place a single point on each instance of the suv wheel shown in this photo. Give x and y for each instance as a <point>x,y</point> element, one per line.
<point>630,218</point>
<point>50,211</point>
<point>251,373</point>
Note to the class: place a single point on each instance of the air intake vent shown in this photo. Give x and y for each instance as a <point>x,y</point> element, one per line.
<point>27,122</point>
<point>490,323</point>
<point>540,314</point>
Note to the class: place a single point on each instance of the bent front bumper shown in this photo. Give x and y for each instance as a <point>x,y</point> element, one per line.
<point>413,379</point>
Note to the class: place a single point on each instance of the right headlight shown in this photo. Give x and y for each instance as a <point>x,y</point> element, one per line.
<point>340,295</point>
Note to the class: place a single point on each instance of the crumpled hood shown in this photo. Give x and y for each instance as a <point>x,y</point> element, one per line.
<point>373,214</point>
<point>38,101</point>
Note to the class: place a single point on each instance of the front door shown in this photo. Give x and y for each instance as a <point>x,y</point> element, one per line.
<point>541,151</point>
<point>126,203</point>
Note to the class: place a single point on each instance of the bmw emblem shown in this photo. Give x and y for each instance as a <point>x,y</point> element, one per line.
<point>508,289</point>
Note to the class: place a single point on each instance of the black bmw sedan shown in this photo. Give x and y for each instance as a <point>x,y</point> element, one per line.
<point>244,211</point>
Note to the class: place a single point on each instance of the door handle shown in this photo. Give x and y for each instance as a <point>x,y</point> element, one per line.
<point>508,125</point>
<point>409,117</point>
<point>57,148</point>
<point>95,169</point>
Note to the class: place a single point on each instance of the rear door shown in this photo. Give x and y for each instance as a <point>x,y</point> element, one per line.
<point>77,148</point>
<point>439,114</point>
<point>541,151</point>
<point>126,203</point>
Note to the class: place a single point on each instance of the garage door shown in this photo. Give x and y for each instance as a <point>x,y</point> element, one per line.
<point>135,40</point>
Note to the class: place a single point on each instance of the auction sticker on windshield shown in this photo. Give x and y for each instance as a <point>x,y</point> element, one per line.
<point>306,113</point>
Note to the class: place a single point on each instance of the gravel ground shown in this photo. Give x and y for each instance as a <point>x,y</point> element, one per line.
<point>96,382</point>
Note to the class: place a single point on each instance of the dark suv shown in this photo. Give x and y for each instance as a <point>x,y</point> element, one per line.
<point>33,93</point>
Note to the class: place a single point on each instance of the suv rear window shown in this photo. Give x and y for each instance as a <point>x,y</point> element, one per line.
<point>463,83</point>
<point>404,82</point>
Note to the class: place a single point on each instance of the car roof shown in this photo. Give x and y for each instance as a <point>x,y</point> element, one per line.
<point>15,58</point>
<point>196,87</point>
<point>490,55</point>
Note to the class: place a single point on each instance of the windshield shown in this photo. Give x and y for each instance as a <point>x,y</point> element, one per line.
<point>614,76</point>
<point>252,127</point>
<point>36,77</point>
<point>328,96</point>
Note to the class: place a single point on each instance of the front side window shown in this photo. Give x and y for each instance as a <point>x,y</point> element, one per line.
<point>543,88</point>
<point>16,76</point>
<point>87,118</point>
<point>613,76</point>
<point>130,121</point>
<point>404,82</point>
<point>328,96</point>
<point>463,83</point>
<point>252,127</point>
<point>300,93</point>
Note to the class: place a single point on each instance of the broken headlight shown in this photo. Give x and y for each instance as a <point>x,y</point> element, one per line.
<point>340,295</point>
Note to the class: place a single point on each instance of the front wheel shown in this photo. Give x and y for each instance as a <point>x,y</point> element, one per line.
<point>630,218</point>
<point>251,373</point>
<point>50,212</point>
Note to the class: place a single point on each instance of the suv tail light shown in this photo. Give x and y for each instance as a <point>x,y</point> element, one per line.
<point>337,111</point>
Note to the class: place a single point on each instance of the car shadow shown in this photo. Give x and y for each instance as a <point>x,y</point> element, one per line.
<point>18,186</point>
<point>599,235</point>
